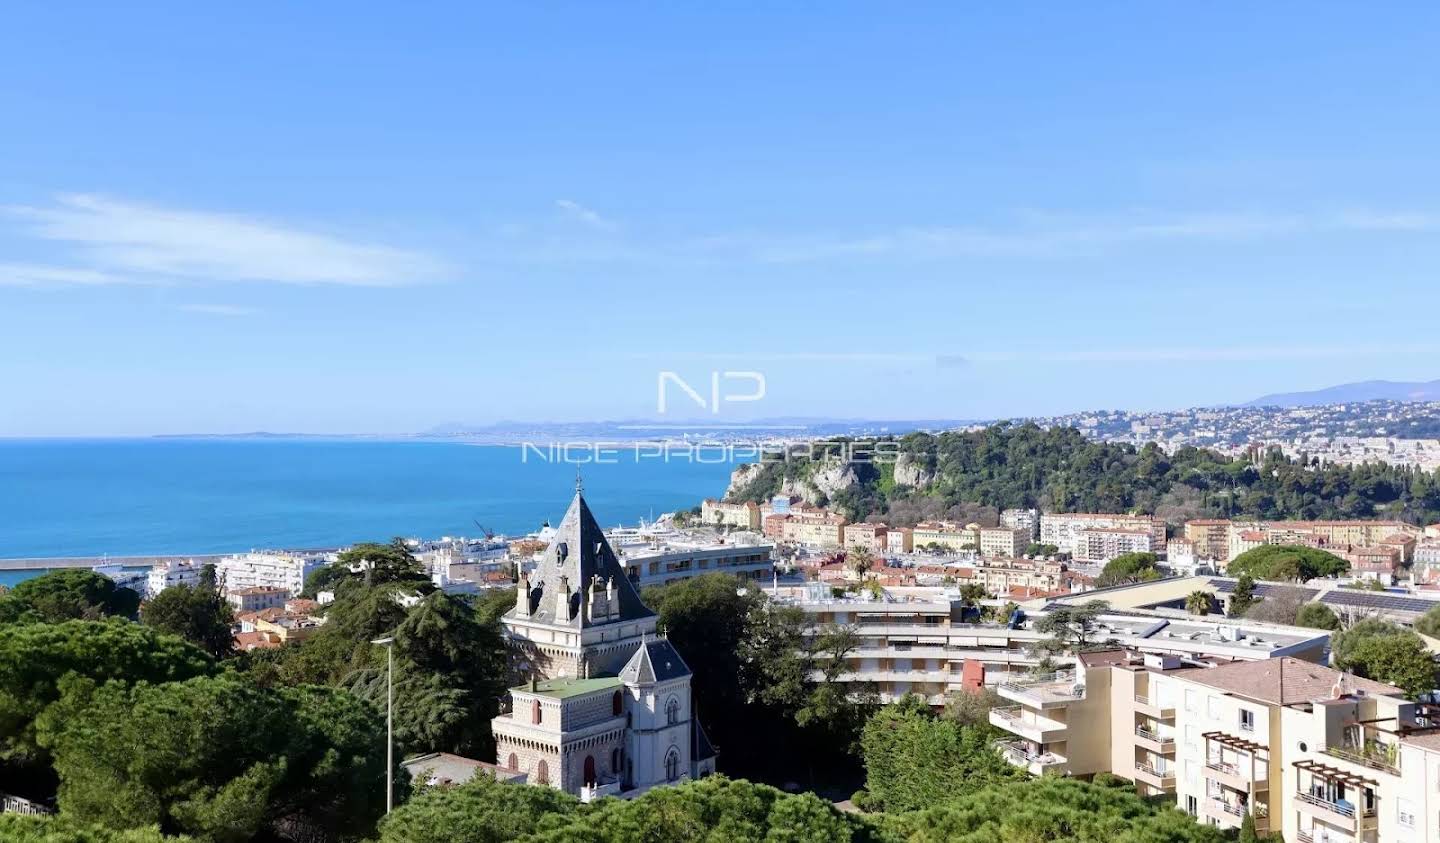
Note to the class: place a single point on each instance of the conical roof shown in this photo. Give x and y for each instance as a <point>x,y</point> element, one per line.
<point>577,554</point>
<point>657,660</point>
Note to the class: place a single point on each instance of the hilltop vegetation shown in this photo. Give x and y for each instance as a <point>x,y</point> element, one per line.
<point>974,474</point>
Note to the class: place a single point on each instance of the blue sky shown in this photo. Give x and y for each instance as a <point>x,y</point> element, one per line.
<point>349,217</point>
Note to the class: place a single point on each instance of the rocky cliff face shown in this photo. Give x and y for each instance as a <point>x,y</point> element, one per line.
<point>909,472</point>
<point>740,478</point>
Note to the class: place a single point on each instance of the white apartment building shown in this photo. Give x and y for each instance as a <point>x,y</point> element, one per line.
<point>1063,529</point>
<point>1022,519</point>
<point>1098,545</point>
<point>260,569</point>
<point>657,560</point>
<point>172,572</point>
<point>921,640</point>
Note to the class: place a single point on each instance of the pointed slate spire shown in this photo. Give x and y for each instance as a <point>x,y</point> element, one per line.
<point>579,553</point>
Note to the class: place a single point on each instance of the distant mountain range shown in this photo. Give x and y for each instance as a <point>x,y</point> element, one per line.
<point>1347,393</point>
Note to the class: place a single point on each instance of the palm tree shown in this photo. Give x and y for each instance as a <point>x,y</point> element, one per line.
<point>1198,602</point>
<point>858,560</point>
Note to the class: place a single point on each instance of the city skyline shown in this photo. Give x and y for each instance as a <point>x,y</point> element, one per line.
<point>290,221</point>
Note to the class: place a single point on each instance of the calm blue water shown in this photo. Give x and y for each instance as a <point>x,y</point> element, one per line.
<point>86,498</point>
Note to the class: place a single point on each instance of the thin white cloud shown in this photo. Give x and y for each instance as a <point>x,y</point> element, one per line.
<point>591,218</point>
<point>40,275</point>
<point>963,359</point>
<point>218,309</point>
<point>128,242</point>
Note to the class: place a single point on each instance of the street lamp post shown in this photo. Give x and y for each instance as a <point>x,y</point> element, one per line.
<point>389,642</point>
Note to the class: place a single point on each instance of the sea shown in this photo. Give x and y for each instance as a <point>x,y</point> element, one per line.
<point>67,498</point>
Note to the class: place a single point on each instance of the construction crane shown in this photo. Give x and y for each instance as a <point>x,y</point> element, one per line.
<point>489,533</point>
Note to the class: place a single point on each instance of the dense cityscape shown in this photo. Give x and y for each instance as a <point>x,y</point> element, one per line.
<point>483,422</point>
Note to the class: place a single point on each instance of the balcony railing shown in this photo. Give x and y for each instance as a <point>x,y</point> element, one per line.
<point>1344,809</point>
<point>1166,773</point>
<point>1376,756</point>
<point>1147,734</point>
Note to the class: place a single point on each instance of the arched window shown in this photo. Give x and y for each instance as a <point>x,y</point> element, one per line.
<point>542,773</point>
<point>672,711</point>
<point>672,765</point>
<point>535,713</point>
<point>590,771</point>
<point>615,762</point>
<point>513,762</point>
<point>617,704</point>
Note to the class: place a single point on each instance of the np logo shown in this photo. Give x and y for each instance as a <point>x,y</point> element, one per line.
<point>666,379</point>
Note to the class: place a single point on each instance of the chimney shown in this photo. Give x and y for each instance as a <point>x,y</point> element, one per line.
<point>562,599</point>
<point>522,597</point>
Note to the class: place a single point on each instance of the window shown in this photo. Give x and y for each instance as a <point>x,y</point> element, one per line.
<point>1247,720</point>
<point>672,711</point>
<point>1190,735</point>
<point>1192,700</point>
<point>1405,812</point>
<point>536,716</point>
<point>617,704</point>
<point>542,773</point>
<point>512,762</point>
<point>615,761</point>
<point>672,765</point>
<point>1212,707</point>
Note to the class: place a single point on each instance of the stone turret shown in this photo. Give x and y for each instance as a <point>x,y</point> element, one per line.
<point>522,597</point>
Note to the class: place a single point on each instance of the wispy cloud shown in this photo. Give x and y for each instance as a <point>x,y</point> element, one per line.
<point>1048,236</point>
<point>39,275</point>
<point>966,359</point>
<point>576,211</point>
<point>218,309</point>
<point>119,241</point>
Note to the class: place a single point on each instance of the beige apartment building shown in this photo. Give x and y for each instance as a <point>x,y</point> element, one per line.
<point>745,515</point>
<point>947,535</point>
<point>1000,577</point>
<point>1063,529</point>
<point>872,537</point>
<point>1211,538</point>
<point>1006,542</point>
<point>900,540</point>
<point>819,529</point>
<point>1311,753</point>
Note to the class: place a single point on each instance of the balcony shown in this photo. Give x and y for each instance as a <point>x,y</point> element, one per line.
<point>1035,727</point>
<point>610,787</point>
<point>1036,764</point>
<point>1161,778</point>
<point>1342,813</point>
<point>1052,691</point>
<point>1228,814</point>
<point>1374,755</point>
<point>1145,705</point>
<point>1154,741</point>
<point>1237,776</point>
<point>1323,835</point>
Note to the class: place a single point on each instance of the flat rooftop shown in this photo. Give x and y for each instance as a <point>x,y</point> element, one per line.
<point>566,686</point>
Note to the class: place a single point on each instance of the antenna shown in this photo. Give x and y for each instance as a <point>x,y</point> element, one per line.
<point>579,482</point>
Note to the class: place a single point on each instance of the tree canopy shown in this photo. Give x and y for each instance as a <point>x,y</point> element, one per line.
<point>197,613</point>
<point>35,658</point>
<point>1380,650</point>
<point>214,757</point>
<point>1317,616</point>
<point>1129,568</point>
<point>1286,562</point>
<point>914,759</point>
<point>69,594</point>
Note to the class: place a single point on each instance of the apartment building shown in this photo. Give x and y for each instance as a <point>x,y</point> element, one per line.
<point>1022,519</point>
<point>1211,538</point>
<point>1226,539</point>
<point>661,559</point>
<point>1001,577</point>
<point>745,515</point>
<point>947,535</point>
<point>259,569</point>
<point>820,529</point>
<point>1098,545</point>
<point>1309,752</point>
<point>872,537</point>
<point>1006,542</point>
<point>923,640</point>
<point>1063,529</point>
<point>172,572</point>
<point>256,598</point>
<point>899,540</point>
